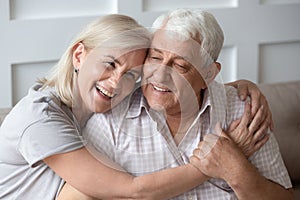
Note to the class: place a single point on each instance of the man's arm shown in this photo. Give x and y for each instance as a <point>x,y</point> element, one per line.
<point>219,157</point>
<point>249,184</point>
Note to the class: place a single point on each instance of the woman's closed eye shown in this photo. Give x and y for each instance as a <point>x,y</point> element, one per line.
<point>110,64</point>
<point>155,58</point>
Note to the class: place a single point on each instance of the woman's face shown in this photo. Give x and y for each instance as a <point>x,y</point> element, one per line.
<point>106,76</point>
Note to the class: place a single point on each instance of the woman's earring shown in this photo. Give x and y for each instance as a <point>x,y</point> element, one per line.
<point>76,70</point>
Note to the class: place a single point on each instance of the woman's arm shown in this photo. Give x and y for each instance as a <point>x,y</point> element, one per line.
<point>85,173</point>
<point>68,192</point>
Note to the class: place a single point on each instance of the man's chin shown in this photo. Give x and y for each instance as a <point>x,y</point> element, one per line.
<point>157,107</point>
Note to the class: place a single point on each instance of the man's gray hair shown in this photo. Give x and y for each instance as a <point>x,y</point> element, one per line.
<point>195,24</point>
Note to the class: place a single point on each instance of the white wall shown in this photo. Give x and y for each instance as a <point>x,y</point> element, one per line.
<point>262,37</point>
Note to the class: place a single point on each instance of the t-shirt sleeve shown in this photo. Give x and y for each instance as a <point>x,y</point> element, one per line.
<point>48,136</point>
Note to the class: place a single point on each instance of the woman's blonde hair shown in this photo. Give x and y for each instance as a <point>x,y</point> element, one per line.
<point>115,30</point>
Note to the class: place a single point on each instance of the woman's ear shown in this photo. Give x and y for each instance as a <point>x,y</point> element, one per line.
<point>79,54</point>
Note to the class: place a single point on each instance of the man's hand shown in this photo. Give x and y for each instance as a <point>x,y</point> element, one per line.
<point>219,157</point>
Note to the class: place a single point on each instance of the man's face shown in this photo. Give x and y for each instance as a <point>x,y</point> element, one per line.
<point>170,81</point>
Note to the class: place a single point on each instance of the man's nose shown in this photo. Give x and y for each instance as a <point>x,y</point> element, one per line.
<point>163,71</point>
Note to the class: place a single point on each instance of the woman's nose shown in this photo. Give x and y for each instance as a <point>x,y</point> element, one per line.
<point>115,79</point>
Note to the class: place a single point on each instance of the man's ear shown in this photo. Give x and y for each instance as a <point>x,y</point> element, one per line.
<point>211,72</point>
<point>218,65</point>
<point>79,54</point>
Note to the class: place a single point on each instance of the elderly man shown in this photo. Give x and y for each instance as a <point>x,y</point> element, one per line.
<point>181,106</point>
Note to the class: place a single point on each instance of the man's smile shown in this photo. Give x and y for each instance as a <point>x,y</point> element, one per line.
<point>160,88</point>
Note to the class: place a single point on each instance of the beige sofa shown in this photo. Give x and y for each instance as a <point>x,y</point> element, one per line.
<point>284,100</point>
<point>3,113</point>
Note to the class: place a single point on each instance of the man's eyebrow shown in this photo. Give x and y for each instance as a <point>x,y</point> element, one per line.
<point>156,49</point>
<point>112,57</point>
<point>176,57</point>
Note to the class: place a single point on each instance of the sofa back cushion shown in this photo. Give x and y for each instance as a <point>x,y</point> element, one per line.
<point>284,101</point>
<point>3,113</point>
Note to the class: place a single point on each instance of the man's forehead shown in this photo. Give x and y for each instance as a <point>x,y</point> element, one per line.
<point>171,42</point>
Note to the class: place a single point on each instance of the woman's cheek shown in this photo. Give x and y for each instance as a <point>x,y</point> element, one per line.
<point>148,70</point>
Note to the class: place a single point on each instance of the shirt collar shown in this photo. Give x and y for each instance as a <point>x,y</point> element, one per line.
<point>137,103</point>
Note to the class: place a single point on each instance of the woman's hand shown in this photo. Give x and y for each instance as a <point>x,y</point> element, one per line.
<point>246,133</point>
<point>247,88</point>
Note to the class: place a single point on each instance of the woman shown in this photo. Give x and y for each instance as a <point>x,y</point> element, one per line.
<point>40,140</point>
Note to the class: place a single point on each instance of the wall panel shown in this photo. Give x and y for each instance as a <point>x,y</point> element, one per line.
<point>284,55</point>
<point>159,5</point>
<point>228,60</point>
<point>36,9</point>
<point>279,1</point>
<point>23,77</point>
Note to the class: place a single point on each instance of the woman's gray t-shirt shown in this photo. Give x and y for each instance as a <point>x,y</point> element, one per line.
<point>39,126</point>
